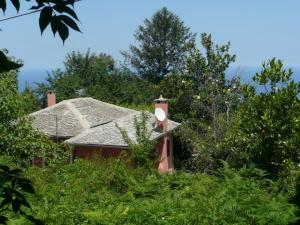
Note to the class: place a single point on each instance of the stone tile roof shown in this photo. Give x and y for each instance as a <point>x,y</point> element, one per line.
<point>109,134</point>
<point>86,121</point>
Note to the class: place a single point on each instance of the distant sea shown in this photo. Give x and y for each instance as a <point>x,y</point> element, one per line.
<point>33,76</point>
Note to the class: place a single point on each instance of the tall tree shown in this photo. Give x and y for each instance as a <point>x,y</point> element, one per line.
<point>203,99</point>
<point>214,91</point>
<point>163,41</point>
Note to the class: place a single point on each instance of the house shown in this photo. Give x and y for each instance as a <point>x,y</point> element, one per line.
<point>91,127</point>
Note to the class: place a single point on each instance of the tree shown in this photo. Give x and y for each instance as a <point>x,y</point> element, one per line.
<point>266,130</point>
<point>89,67</point>
<point>96,75</point>
<point>56,13</point>
<point>17,137</point>
<point>163,42</point>
<point>209,74</point>
<point>30,100</point>
<point>203,99</point>
<point>179,89</point>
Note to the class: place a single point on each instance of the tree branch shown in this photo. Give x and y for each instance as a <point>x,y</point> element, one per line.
<point>24,14</point>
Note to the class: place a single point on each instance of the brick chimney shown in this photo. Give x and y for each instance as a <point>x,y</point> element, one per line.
<point>51,98</point>
<point>161,104</point>
<point>164,145</point>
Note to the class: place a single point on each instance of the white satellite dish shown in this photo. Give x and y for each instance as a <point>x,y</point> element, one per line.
<point>160,114</point>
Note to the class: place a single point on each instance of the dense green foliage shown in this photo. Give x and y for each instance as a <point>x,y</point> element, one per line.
<point>204,100</point>
<point>109,192</point>
<point>89,74</point>
<point>12,194</point>
<point>17,138</point>
<point>142,152</point>
<point>266,128</point>
<point>163,42</point>
<point>221,120</point>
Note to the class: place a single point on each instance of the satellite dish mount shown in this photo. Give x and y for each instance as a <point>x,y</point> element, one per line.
<point>161,113</point>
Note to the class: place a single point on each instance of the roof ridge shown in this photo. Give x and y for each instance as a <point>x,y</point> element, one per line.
<point>82,120</point>
<point>113,105</point>
<point>47,108</point>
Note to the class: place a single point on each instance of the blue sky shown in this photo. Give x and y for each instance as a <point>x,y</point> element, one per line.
<point>257,30</point>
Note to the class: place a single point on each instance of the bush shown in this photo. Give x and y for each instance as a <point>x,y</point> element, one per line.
<point>266,128</point>
<point>142,150</point>
<point>110,192</point>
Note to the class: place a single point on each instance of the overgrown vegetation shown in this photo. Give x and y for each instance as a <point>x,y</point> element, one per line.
<point>266,128</point>
<point>89,74</point>
<point>240,147</point>
<point>17,138</point>
<point>142,150</point>
<point>110,192</point>
<point>12,195</point>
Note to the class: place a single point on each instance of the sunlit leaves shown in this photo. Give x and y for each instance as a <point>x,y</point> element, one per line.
<point>273,72</point>
<point>266,127</point>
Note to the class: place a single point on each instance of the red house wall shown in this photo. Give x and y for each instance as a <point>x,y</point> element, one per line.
<point>164,149</point>
<point>90,152</point>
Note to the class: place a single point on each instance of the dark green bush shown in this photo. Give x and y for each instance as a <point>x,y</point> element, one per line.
<point>109,192</point>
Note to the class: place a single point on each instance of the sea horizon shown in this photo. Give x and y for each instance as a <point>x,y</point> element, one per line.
<point>37,75</point>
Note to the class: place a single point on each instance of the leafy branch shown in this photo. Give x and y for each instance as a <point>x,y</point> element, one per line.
<point>59,14</point>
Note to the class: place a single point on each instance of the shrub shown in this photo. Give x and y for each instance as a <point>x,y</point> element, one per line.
<point>142,149</point>
<point>110,192</point>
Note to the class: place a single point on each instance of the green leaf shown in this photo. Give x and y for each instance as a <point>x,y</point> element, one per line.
<point>45,18</point>
<point>63,31</point>
<point>70,22</point>
<point>3,5</point>
<point>16,4</point>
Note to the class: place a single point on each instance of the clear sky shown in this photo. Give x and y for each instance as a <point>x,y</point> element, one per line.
<point>257,29</point>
